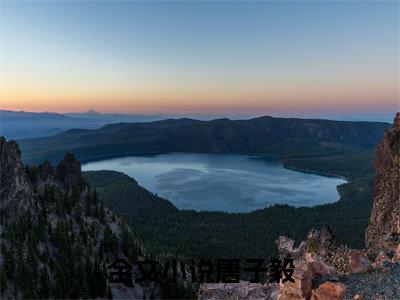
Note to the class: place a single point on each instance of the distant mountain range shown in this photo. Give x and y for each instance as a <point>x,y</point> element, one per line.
<point>21,124</point>
<point>114,117</point>
<point>281,137</point>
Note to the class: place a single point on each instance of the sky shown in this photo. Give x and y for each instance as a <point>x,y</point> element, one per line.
<point>201,57</point>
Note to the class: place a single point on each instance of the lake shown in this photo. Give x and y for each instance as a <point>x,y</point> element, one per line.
<point>223,182</point>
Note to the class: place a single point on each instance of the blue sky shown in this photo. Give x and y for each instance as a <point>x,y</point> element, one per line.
<point>201,57</point>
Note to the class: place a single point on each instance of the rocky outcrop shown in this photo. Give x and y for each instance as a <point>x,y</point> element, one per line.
<point>301,288</point>
<point>381,260</point>
<point>318,265</point>
<point>241,290</point>
<point>286,247</point>
<point>18,182</point>
<point>329,291</point>
<point>15,187</point>
<point>46,176</point>
<point>383,232</point>
<point>13,178</point>
<point>67,176</point>
<point>68,172</point>
<point>320,240</point>
<point>332,272</point>
<point>396,256</point>
<point>52,226</point>
<point>358,262</point>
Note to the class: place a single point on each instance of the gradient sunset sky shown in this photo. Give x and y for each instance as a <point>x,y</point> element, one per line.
<point>261,57</point>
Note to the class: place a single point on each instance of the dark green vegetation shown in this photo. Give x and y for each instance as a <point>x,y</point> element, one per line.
<point>350,166</point>
<point>289,139</point>
<point>60,247</point>
<point>329,147</point>
<point>57,237</point>
<point>165,229</point>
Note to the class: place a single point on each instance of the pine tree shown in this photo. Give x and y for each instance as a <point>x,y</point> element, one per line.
<point>3,280</point>
<point>30,270</point>
<point>61,282</point>
<point>42,224</point>
<point>109,293</point>
<point>9,262</point>
<point>95,198</point>
<point>100,278</point>
<point>19,272</point>
<point>29,283</point>
<point>93,230</point>
<point>44,291</point>
<point>61,233</point>
<point>74,198</point>
<point>127,241</point>
<point>88,207</point>
<point>83,234</point>
<point>102,213</point>
<point>90,278</point>
<point>80,288</point>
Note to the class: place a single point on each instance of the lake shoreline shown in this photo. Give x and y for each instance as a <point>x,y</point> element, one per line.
<point>284,165</point>
<point>227,182</point>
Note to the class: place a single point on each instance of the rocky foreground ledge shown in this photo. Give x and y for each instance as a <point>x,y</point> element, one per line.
<point>326,270</point>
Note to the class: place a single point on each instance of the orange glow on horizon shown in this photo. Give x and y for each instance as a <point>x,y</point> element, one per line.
<point>234,99</point>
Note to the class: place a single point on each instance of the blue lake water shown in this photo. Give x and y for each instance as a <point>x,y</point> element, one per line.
<point>232,183</point>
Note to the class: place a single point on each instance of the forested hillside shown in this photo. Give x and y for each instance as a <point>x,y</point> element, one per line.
<point>165,229</point>
<point>288,139</point>
<point>57,238</point>
<point>343,149</point>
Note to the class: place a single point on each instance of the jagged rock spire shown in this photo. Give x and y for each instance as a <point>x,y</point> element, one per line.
<point>69,173</point>
<point>15,183</point>
<point>10,163</point>
<point>396,122</point>
<point>15,188</point>
<point>383,231</point>
<point>12,172</point>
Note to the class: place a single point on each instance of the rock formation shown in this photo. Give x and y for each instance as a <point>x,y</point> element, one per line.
<point>383,232</point>
<point>56,237</point>
<point>329,291</point>
<point>15,188</point>
<point>240,290</point>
